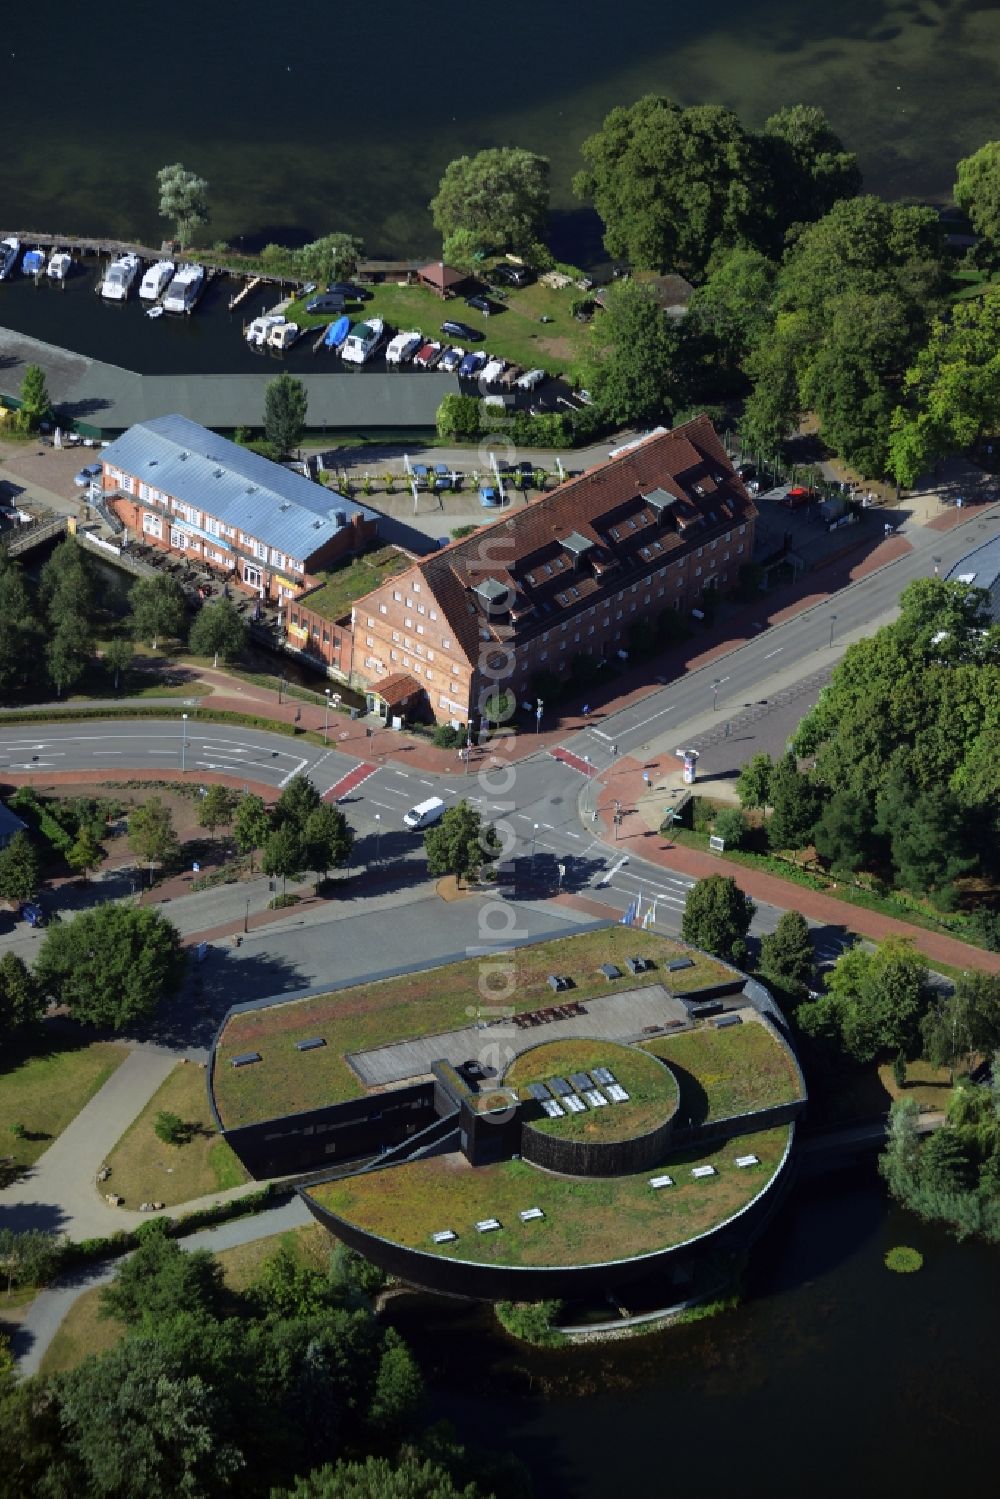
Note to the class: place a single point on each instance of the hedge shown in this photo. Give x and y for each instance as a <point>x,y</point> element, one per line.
<point>127,1239</point>
<point>206,715</point>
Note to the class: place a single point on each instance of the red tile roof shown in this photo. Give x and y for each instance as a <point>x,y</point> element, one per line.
<point>612,507</point>
<point>443,277</point>
<point>396,689</point>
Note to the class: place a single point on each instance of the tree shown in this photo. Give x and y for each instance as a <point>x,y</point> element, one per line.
<point>111,965</point>
<point>22,1003</point>
<point>18,631</point>
<point>876,999</point>
<point>66,584</point>
<point>251,824</point>
<point>977,192</point>
<point>731,826</point>
<point>843,832</point>
<point>36,403</point>
<point>717,917</point>
<point>900,1160</point>
<point>500,196</point>
<point>635,349</point>
<point>963,1023</point>
<point>944,1162</point>
<point>285,407</point>
<point>411,1477</point>
<point>217,807</point>
<point>753,784</point>
<point>284,853</point>
<point>117,657</point>
<point>170,1128</point>
<point>286,1288</point>
<point>84,853</point>
<point>793,806</point>
<point>68,653</point>
<point>20,871</point>
<point>460,844</point>
<point>334,257</point>
<point>161,1279</point>
<point>927,834</point>
<point>731,313</point>
<point>29,1258</point>
<point>458,417</point>
<point>671,184</point>
<point>296,802</point>
<point>158,608</point>
<point>809,167</point>
<point>328,839</point>
<point>218,630</point>
<point>183,198</point>
<point>134,1422</point>
<point>786,954</point>
<point>151,833</point>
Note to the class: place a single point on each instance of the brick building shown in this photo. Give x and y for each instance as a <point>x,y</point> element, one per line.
<point>653,528</point>
<point>269,531</point>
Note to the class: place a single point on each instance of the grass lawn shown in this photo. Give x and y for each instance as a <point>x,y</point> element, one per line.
<point>727,1072</point>
<point>342,585</point>
<point>652,1089</point>
<point>46,1091</point>
<point>930,1086</point>
<point>516,334</point>
<point>587,1220</point>
<point>144,1169</point>
<point>417,1004</point>
<point>83,1331</point>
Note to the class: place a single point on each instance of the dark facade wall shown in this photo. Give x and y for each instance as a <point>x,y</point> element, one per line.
<point>596,1158</point>
<point>745,1124</point>
<point>328,1136</point>
<point>496,1283</point>
<point>487,1138</point>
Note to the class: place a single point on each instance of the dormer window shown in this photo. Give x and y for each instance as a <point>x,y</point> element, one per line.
<point>494,596</point>
<point>660,502</point>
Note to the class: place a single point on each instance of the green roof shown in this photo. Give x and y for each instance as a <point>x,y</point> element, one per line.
<point>342,585</point>
<point>587,1220</point>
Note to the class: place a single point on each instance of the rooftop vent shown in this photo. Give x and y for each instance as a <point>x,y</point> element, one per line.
<point>217,474</point>
<point>246,1058</point>
<point>660,502</point>
<point>576,545</point>
<point>313,1043</point>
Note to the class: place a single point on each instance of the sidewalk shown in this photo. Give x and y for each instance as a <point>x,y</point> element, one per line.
<point>643,809</point>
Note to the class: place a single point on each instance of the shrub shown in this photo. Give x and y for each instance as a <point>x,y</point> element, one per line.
<point>446,737</point>
<point>531,1321</point>
<point>732,826</point>
<point>279,902</point>
<point>903,1260</point>
<point>170,1128</point>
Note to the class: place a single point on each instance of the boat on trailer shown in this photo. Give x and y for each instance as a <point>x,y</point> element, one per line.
<point>156,280</point>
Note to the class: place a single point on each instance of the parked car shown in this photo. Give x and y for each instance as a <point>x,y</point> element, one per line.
<point>746,471</point>
<point>489,497</point>
<point>799,495</point>
<point>462,330</point>
<point>33,915</point>
<point>349,291</point>
<point>86,476</point>
<point>481,304</point>
<point>513,275</point>
<point>329,302</point>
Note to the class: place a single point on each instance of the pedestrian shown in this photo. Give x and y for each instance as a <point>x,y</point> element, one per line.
<point>298,715</point>
<point>585,710</point>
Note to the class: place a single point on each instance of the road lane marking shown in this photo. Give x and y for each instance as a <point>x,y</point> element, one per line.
<point>775,652</point>
<point>293,772</point>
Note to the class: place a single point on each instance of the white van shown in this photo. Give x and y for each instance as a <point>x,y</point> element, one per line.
<point>424,815</point>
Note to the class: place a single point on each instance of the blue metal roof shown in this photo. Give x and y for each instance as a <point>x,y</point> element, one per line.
<point>240,488</point>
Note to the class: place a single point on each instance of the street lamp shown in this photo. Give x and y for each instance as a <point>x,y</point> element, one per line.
<point>326,718</point>
<point>590,776</point>
<point>281,687</point>
<point>378,837</point>
<point>534,835</point>
<point>246,916</point>
<point>539,708</point>
<point>937,564</point>
<point>184,742</point>
<point>833,621</point>
<point>715,693</point>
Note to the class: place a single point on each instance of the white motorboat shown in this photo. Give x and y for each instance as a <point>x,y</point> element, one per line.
<point>185,289</point>
<point>59,266</point>
<point>283,335</point>
<point>362,341</point>
<point>258,331</point>
<point>119,276</point>
<point>156,280</point>
<point>529,380</point>
<point>494,369</point>
<point>403,347</point>
<point>10,249</point>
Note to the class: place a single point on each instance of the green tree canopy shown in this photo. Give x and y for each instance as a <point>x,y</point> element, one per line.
<point>217,808</point>
<point>874,1003</point>
<point>809,168</point>
<point>411,1477</point>
<point>22,1003</point>
<point>298,799</point>
<point>843,831</point>
<point>458,417</point>
<point>284,853</point>
<point>328,839</point>
<point>634,351</point>
<point>117,656</point>
<point>28,1258</point>
<point>977,191</point>
<point>158,607</point>
<point>964,1023</point>
<point>218,630</point>
<point>161,1279</point>
<point>68,653</point>
<point>111,965</point>
<point>20,870</point>
<point>285,405</point>
<point>18,632</point>
<point>151,832</point>
<point>794,806</point>
<point>84,853</point>
<point>717,917</point>
<point>753,784</point>
<point>461,843</point>
<point>731,313</point>
<point>334,257</point>
<point>66,584</point>
<point>36,403</point>
<point>251,824</point>
<point>183,198</point>
<point>500,196</point>
<point>786,954</point>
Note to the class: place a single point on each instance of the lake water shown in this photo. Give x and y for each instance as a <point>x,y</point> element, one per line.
<point>318,118</point>
<point>835,1377</point>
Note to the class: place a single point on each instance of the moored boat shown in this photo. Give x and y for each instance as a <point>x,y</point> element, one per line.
<point>362,341</point>
<point>118,277</point>
<point>156,280</point>
<point>259,330</point>
<point>283,335</point>
<point>337,332</point>
<point>403,347</point>
<point>33,262</point>
<point>185,288</point>
<point>59,266</point>
<point>10,249</point>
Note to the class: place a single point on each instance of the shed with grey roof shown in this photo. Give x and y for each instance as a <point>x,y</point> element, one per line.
<point>233,485</point>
